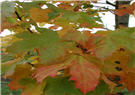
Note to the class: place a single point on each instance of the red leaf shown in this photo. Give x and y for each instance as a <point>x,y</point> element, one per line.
<point>50,70</point>
<point>85,74</point>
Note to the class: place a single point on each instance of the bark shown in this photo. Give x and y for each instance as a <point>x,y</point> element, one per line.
<point>121,20</point>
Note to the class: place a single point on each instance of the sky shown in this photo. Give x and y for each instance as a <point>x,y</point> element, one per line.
<point>108,18</point>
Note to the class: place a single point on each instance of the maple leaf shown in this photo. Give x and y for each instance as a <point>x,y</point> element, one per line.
<point>30,84</point>
<point>60,52</point>
<point>7,12</point>
<point>76,36</point>
<point>7,9</point>
<point>84,39</point>
<point>69,16</point>
<point>46,71</point>
<point>125,9</point>
<point>115,40</point>
<point>117,61</point>
<point>6,25</point>
<point>9,67</point>
<point>21,71</point>
<point>83,81</point>
<point>28,6</point>
<point>51,70</point>
<point>66,6</point>
<point>39,15</point>
<point>47,41</point>
<point>132,60</point>
<point>60,86</point>
<point>21,78</point>
<point>109,53</point>
<point>85,74</point>
<point>127,78</point>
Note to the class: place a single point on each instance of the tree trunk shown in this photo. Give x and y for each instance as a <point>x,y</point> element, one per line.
<point>121,20</point>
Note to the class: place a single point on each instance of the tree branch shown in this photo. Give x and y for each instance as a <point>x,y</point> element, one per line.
<point>18,16</point>
<point>110,3</point>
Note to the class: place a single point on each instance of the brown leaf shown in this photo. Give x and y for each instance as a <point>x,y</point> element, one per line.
<point>40,15</point>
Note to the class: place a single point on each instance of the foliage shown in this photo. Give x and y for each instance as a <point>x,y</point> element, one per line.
<point>66,61</point>
<point>6,91</point>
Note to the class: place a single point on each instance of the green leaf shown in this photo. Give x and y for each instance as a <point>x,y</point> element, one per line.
<point>132,61</point>
<point>60,86</point>
<point>126,92</point>
<point>5,58</point>
<point>28,5</point>
<point>55,11</point>
<point>30,84</point>
<point>48,42</point>
<point>101,89</point>
<point>76,36</point>
<point>53,52</point>
<point>9,66</point>
<point>7,9</point>
<point>85,5</point>
<point>69,16</point>
<point>127,29</point>
<point>45,39</point>
<point>12,20</point>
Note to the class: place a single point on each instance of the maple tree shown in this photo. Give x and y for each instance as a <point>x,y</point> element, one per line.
<point>66,61</point>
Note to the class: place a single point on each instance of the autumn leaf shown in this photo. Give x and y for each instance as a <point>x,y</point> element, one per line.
<point>115,40</point>
<point>22,79</point>
<point>76,36</point>
<point>85,74</point>
<point>40,15</point>
<point>8,8</point>
<point>7,25</point>
<point>30,84</point>
<point>69,16</point>
<point>125,9</point>
<point>62,60</point>
<point>82,78</point>
<point>132,60</point>
<point>66,6</point>
<point>127,79</point>
<point>117,62</point>
<point>46,49</point>
<point>84,39</point>
<point>52,70</point>
<point>9,67</point>
<point>21,71</point>
<point>28,6</point>
<point>46,71</point>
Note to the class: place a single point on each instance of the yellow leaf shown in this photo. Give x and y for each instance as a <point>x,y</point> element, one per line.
<point>33,58</point>
<point>34,62</point>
